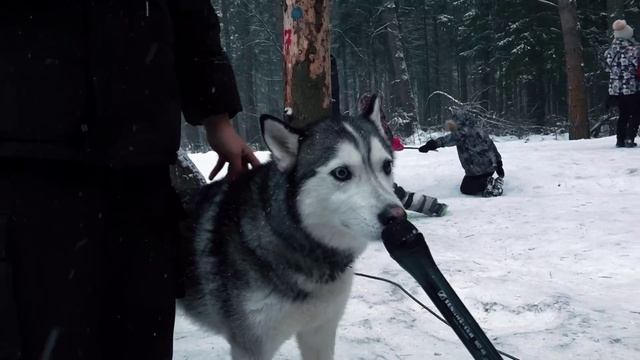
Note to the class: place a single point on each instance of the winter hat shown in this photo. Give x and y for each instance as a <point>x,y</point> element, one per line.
<point>451,125</point>
<point>622,30</point>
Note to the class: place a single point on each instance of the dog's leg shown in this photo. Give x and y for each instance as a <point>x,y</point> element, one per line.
<point>255,352</point>
<point>238,353</point>
<point>318,343</point>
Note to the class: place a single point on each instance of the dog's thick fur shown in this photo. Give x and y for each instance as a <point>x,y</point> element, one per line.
<point>273,249</point>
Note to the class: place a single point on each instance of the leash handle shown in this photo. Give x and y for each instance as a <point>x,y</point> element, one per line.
<point>417,147</point>
<point>409,249</point>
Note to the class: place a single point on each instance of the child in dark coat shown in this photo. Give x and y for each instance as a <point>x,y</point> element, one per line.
<point>477,153</point>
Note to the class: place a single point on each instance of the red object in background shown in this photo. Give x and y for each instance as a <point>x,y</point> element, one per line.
<point>396,144</point>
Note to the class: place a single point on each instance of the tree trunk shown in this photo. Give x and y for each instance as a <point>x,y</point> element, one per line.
<point>462,78</point>
<point>345,76</point>
<point>577,102</point>
<point>307,66</point>
<point>249,99</point>
<point>225,10</point>
<point>335,88</point>
<point>426,113</point>
<point>403,107</point>
<point>437,103</point>
<point>373,66</point>
<point>244,68</point>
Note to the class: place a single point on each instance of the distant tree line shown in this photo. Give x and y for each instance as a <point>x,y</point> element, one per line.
<point>505,55</point>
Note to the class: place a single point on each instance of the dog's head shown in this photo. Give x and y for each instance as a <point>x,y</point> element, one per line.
<point>340,176</point>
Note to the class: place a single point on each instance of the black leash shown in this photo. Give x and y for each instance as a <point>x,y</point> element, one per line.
<point>407,247</point>
<point>420,303</point>
<point>416,148</point>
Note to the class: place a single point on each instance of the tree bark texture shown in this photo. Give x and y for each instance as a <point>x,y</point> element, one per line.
<point>576,95</point>
<point>426,83</point>
<point>307,65</point>
<point>437,103</point>
<point>245,72</point>
<point>402,102</point>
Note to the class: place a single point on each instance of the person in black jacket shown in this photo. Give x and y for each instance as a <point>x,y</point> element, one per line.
<point>91,97</point>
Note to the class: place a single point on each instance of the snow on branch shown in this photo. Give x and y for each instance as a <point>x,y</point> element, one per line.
<point>495,124</point>
<point>548,3</point>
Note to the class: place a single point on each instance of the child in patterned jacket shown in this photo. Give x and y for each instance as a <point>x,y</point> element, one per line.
<point>624,85</point>
<point>477,152</point>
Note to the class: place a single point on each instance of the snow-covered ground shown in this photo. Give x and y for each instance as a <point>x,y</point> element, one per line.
<point>551,270</point>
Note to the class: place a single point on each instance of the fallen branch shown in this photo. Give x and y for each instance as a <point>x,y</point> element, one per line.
<point>496,125</point>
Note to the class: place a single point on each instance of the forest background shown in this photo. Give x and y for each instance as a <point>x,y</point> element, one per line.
<point>506,56</point>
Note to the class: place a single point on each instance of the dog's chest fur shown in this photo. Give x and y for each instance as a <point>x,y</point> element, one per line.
<point>282,318</point>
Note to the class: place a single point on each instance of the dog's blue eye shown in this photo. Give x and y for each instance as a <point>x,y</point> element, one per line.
<point>386,167</point>
<point>341,173</point>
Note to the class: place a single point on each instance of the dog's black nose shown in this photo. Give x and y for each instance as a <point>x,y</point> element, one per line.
<point>391,214</point>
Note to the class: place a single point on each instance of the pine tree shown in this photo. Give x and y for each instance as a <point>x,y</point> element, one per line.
<point>578,117</point>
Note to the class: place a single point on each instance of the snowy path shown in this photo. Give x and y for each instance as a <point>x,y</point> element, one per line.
<point>551,270</point>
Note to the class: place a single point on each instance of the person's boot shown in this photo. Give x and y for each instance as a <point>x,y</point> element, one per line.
<point>498,183</point>
<point>488,190</point>
<point>437,209</point>
<point>629,143</point>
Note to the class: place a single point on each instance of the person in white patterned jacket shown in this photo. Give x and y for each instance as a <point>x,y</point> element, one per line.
<point>624,85</point>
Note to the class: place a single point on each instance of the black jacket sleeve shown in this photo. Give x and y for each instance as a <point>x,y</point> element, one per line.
<point>206,77</point>
<point>498,159</point>
<point>496,153</point>
<point>451,139</point>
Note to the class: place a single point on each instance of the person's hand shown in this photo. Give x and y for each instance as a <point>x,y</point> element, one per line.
<point>231,148</point>
<point>430,145</point>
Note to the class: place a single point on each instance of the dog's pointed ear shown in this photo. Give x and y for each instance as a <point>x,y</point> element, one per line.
<point>281,139</point>
<point>373,111</point>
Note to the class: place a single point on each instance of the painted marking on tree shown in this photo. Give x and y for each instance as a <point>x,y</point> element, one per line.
<point>287,40</point>
<point>297,13</point>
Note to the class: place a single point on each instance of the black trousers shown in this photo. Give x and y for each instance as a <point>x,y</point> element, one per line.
<point>628,117</point>
<point>93,260</point>
<point>474,185</point>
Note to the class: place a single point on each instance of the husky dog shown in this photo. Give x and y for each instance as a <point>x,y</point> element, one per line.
<point>273,249</point>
